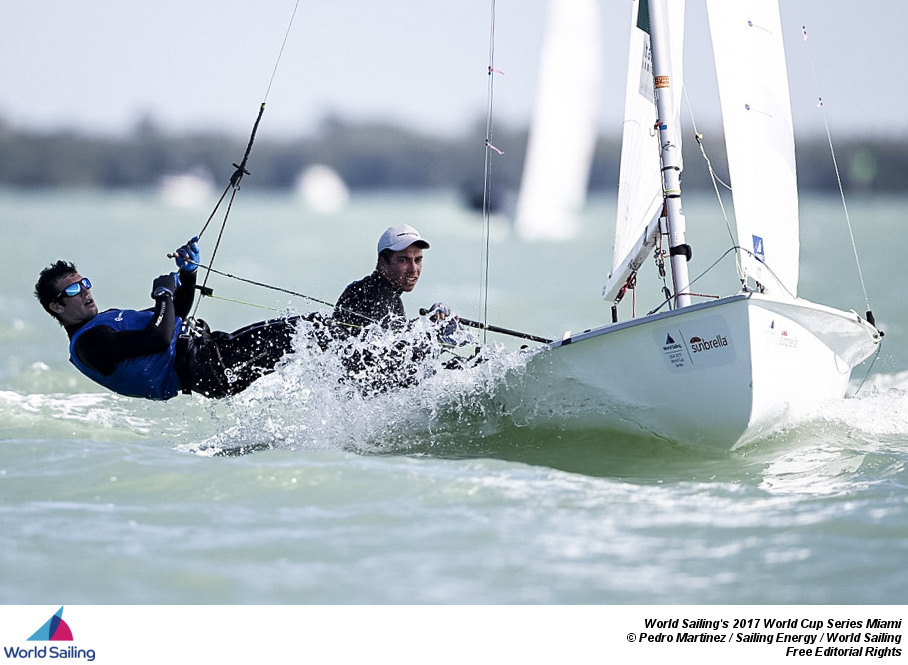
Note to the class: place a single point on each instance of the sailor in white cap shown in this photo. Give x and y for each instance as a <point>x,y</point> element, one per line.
<point>376,298</point>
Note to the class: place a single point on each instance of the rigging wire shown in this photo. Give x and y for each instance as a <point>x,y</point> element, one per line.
<point>716,180</point>
<point>736,249</point>
<point>838,176</point>
<point>236,178</point>
<point>473,324</point>
<point>487,181</point>
<point>280,53</point>
<point>269,286</point>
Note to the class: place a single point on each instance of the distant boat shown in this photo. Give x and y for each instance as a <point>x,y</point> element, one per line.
<point>722,372</point>
<point>563,132</point>
<point>322,189</point>
<point>190,189</point>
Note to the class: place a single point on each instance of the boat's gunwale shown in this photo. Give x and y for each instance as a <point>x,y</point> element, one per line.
<point>851,315</point>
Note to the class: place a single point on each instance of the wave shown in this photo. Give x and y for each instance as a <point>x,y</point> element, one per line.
<point>78,415</point>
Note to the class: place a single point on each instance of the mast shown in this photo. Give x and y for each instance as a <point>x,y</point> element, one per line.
<point>670,150</point>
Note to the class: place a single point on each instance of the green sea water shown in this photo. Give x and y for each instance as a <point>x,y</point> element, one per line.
<point>430,495</point>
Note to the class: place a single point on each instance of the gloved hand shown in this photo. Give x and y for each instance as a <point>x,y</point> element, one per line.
<point>446,335</point>
<point>165,285</point>
<point>438,312</point>
<point>188,256</point>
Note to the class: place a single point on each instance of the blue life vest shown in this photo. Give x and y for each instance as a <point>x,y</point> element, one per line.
<point>153,376</point>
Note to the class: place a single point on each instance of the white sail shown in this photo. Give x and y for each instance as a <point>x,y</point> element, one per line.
<point>756,113</point>
<point>721,372</point>
<point>563,133</point>
<point>640,180</point>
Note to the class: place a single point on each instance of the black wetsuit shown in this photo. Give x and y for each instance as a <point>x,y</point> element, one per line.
<point>214,364</point>
<point>374,300</point>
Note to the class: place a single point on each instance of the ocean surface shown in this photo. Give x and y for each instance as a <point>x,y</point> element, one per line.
<point>299,493</point>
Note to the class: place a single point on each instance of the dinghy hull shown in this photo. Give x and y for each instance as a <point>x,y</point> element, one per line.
<point>715,375</point>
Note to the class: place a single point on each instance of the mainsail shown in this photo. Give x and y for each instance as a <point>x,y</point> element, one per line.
<point>756,113</point>
<point>640,180</point>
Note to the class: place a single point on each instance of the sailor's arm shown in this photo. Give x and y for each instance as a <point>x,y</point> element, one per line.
<point>103,347</point>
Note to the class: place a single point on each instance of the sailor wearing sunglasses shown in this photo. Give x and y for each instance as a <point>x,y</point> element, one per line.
<point>150,353</point>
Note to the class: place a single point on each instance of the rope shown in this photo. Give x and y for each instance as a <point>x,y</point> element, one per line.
<point>735,249</point>
<point>716,180</point>
<point>879,348</point>
<point>217,244</point>
<point>240,169</point>
<point>243,302</point>
<point>268,286</point>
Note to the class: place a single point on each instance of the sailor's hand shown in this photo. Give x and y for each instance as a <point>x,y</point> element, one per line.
<point>448,332</point>
<point>188,256</point>
<point>165,285</point>
<point>438,312</point>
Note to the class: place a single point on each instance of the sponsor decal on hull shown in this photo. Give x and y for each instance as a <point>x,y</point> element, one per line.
<point>706,343</point>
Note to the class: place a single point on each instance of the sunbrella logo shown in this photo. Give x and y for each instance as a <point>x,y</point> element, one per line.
<point>698,344</point>
<point>55,629</point>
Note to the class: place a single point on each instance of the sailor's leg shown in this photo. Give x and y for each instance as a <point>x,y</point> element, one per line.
<point>228,363</point>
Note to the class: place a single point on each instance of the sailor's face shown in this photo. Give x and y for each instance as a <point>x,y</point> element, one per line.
<point>403,268</point>
<point>79,308</point>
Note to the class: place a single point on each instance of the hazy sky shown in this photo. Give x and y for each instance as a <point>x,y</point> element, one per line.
<point>188,64</point>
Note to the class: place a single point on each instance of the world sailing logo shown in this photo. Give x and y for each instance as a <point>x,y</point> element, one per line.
<point>55,630</point>
<point>758,248</point>
<point>712,345</point>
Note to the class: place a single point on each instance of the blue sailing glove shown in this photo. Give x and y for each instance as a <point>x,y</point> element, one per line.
<point>438,311</point>
<point>447,333</point>
<point>165,285</point>
<point>188,256</point>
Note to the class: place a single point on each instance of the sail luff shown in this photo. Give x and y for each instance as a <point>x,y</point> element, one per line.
<point>640,183</point>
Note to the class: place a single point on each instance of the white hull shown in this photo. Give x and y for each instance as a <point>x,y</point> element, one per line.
<point>717,374</point>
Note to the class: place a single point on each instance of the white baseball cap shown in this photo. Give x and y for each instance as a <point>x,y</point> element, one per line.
<point>400,237</point>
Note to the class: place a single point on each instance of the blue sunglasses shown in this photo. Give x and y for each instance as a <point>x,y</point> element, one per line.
<point>75,288</point>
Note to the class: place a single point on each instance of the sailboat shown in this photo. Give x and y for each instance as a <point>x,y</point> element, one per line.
<point>715,373</point>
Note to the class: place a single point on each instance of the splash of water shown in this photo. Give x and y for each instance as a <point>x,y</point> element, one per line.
<point>414,389</point>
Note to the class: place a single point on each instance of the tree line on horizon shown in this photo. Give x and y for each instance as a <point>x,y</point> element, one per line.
<point>371,156</point>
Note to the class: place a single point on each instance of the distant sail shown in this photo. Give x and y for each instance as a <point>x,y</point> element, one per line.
<point>564,129</point>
